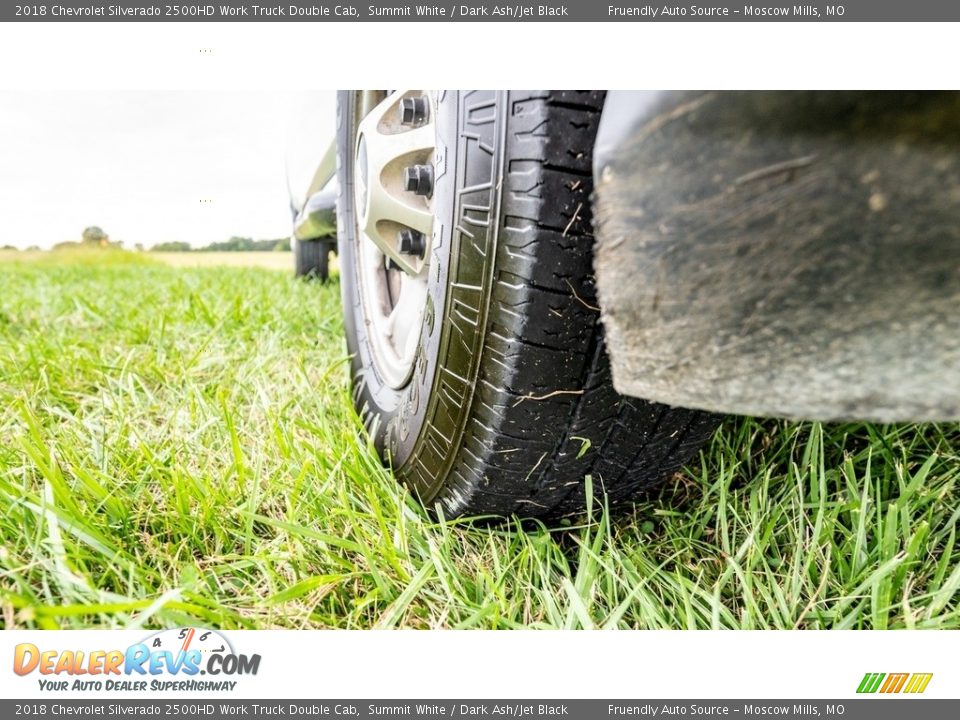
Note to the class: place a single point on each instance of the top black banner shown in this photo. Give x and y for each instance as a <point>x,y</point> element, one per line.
<point>480,11</point>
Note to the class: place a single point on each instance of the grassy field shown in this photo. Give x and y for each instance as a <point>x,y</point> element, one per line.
<point>177,446</point>
<point>269,260</point>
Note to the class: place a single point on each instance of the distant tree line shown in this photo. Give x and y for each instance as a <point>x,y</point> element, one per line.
<point>172,247</point>
<point>234,244</point>
<point>95,237</point>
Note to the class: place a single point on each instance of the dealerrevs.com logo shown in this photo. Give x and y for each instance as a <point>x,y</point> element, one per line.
<point>168,660</point>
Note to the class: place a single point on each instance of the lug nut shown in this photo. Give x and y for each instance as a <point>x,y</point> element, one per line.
<point>419,179</point>
<point>410,242</point>
<point>414,111</point>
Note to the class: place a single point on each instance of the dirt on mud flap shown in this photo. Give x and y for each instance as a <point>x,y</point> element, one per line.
<point>792,254</point>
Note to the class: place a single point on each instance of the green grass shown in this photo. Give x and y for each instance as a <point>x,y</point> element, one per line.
<point>177,446</point>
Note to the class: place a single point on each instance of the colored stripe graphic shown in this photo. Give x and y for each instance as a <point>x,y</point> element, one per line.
<point>870,682</point>
<point>894,683</point>
<point>918,682</point>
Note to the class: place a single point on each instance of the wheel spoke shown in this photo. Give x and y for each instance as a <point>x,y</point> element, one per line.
<point>385,205</point>
<point>406,316</point>
<point>392,209</point>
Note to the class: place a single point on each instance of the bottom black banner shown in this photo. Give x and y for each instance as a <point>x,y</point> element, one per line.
<point>857,709</point>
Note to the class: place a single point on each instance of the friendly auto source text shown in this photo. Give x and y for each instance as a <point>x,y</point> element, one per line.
<point>747,11</point>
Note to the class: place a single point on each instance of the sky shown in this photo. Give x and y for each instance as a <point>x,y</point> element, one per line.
<point>151,167</point>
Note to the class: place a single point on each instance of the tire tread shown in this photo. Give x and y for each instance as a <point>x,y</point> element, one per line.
<point>544,381</point>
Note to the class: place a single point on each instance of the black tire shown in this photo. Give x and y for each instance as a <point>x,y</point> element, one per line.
<point>511,405</point>
<point>312,258</point>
